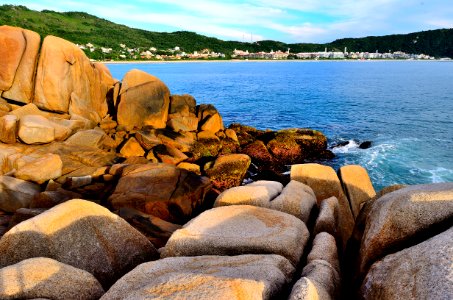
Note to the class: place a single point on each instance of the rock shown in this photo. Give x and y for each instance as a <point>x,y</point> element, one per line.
<point>91,138</point>
<point>404,216</point>
<point>160,190</point>
<point>47,278</point>
<point>230,133</point>
<point>180,103</point>
<point>259,153</point>
<point>204,111</point>
<point>324,277</point>
<point>365,145</point>
<point>8,129</point>
<point>296,199</point>
<point>292,145</point>
<point>147,139</point>
<point>144,100</point>
<point>49,199</point>
<point>32,109</point>
<point>240,229</point>
<point>213,123</point>
<point>183,123</point>
<point>325,183</point>
<point>81,234</point>
<point>357,186</point>
<point>132,148</point>
<point>66,81</point>
<point>327,220</point>
<point>42,169</point>
<point>155,229</point>
<point>419,272</point>
<point>190,167</point>
<point>62,132</point>
<point>325,248</point>
<point>13,47</point>
<point>16,193</point>
<point>305,289</point>
<point>259,193</point>
<point>34,129</point>
<point>21,89</point>
<point>207,146</point>
<point>169,154</point>
<point>23,214</point>
<point>206,277</point>
<point>228,171</point>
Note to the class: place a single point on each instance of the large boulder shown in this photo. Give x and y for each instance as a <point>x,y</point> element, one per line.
<point>240,229</point>
<point>357,186</point>
<point>206,277</point>
<point>47,278</point>
<point>325,183</point>
<point>228,171</point>
<point>41,169</point>
<point>13,47</point>
<point>66,81</point>
<point>144,100</point>
<point>16,193</point>
<point>403,216</point>
<point>35,129</point>
<point>295,198</point>
<point>423,271</point>
<point>161,190</point>
<point>81,234</point>
<point>22,44</point>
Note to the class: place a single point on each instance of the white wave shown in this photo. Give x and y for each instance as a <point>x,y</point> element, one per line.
<point>345,149</point>
<point>440,174</point>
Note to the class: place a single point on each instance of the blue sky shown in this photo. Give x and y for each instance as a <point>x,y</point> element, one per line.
<point>284,20</point>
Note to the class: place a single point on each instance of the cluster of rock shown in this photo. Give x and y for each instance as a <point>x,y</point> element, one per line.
<point>171,173</point>
<point>259,241</point>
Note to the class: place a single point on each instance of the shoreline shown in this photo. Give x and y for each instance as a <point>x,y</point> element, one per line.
<point>119,62</point>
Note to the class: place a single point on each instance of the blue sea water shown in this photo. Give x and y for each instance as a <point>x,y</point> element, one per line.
<point>404,107</point>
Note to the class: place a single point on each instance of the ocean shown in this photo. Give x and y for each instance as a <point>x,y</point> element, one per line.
<point>405,108</point>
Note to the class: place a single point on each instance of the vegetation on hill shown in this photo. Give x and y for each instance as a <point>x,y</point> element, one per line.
<point>83,28</point>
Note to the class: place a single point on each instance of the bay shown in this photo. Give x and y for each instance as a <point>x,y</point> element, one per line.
<point>404,107</point>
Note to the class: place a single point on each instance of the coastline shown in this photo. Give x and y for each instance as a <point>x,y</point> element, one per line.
<point>119,62</point>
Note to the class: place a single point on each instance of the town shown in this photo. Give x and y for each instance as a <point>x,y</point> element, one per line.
<point>123,52</point>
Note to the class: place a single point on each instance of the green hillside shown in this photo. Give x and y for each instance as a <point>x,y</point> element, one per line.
<point>82,28</point>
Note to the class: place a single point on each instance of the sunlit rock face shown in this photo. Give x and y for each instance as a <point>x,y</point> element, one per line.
<point>81,234</point>
<point>47,278</point>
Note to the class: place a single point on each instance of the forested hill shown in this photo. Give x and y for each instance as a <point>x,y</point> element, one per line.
<point>82,28</point>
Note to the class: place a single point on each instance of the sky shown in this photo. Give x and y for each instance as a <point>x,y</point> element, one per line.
<point>290,21</point>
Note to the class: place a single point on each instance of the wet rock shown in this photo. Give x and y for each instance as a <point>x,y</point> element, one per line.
<point>419,272</point>
<point>81,234</point>
<point>228,171</point>
<point>240,229</point>
<point>357,186</point>
<point>144,100</point>
<point>16,193</point>
<point>160,190</point>
<point>207,277</point>
<point>47,278</point>
<point>8,129</point>
<point>365,145</point>
<point>35,129</point>
<point>325,183</point>
<point>403,217</point>
<point>41,169</point>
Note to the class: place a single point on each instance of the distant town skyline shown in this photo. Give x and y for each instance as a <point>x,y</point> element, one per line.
<point>308,21</point>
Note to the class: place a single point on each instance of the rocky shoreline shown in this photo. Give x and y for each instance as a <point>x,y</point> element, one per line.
<point>165,211</point>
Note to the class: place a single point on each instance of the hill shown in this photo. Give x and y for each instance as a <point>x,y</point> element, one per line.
<point>83,28</point>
